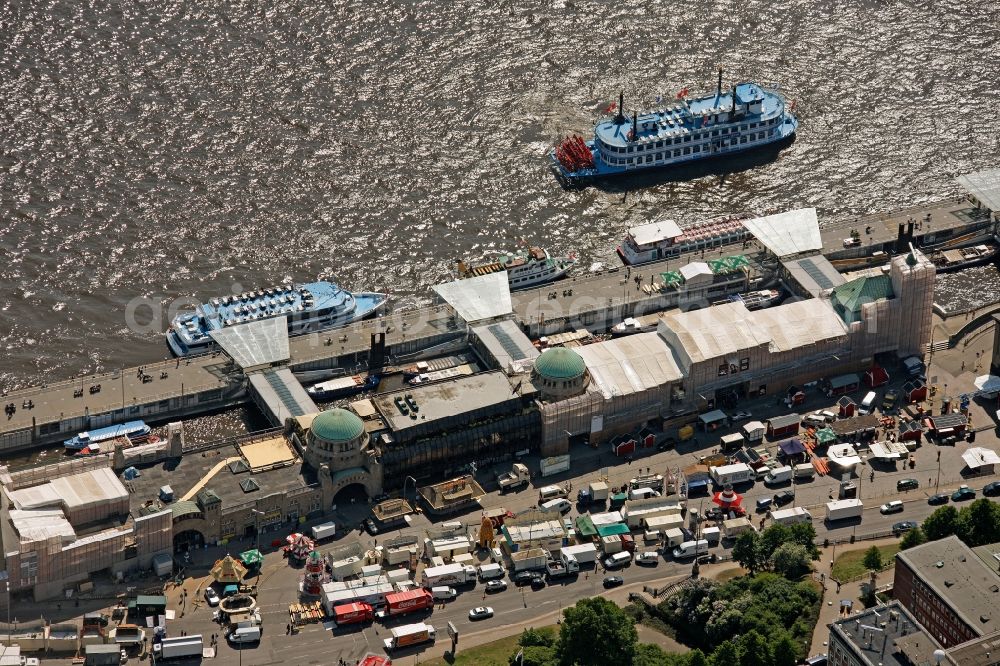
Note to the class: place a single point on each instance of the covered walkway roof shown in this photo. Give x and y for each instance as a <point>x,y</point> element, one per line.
<point>984,187</point>
<point>788,233</point>
<point>280,395</point>
<point>255,343</point>
<point>478,298</point>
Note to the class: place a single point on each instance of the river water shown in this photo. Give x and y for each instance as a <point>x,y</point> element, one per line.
<point>169,150</point>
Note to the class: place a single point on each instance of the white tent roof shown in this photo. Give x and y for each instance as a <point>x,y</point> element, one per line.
<point>645,234</point>
<point>977,456</point>
<point>478,298</point>
<point>696,269</point>
<point>712,332</point>
<point>93,487</point>
<point>35,497</point>
<point>843,455</point>
<point>255,343</point>
<point>800,324</point>
<point>631,364</point>
<point>41,525</point>
<point>984,186</point>
<point>788,233</point>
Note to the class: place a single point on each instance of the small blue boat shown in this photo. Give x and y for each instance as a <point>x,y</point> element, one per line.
<point>136,431</point>
<point>747,118</point>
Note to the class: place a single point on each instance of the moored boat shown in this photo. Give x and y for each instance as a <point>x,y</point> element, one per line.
<point>748,117</point>
<point>632,325</point>
<point>308,308</point>
<point>758,300</point>
<point>525,268</point>
<point>656,241</point>
<point>964,257</point>
<point>135,431</point>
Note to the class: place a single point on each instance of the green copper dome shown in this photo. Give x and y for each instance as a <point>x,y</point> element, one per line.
<point>560,363</point>
<point>337,425</point>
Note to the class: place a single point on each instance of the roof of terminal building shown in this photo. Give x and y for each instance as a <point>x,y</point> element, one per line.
<point>814,274</point>
<point>41,524</point>
<point>255,343</point>
<point>478,298</point>
<point>337,425</point>
<point>507,344</point>
<point>984,186</point>
<point>713,331</point>
<point>630,364</point>
<point>789,233</point>
<point>72,491</point>
<point>447,398</point>
<point>282,393</point>
<point>800,324</point>
<point>850,296</point>
<point>560,363</point>
<point>958,575</point>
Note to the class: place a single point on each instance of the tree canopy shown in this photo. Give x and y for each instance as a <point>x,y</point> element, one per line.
<point>595,632</point>
<point>873,559</point>
<point>943,522</point>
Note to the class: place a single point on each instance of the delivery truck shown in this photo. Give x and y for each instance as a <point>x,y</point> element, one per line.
<point>354,613</point>
<point>179,647</point>
<point>594,493</point>
<point>409,634</point>
<point>731,475</point>
<point>517,477</point>
<point>843,509</point>
<point>790,516</point>
<point>490,571</point>
<point>674,536</point>
<point>410,601</point>
<point>585,553</point>
<point>324,531</point>
<point>448,574</point>
<point>561,568</point>
<point>529,560</point>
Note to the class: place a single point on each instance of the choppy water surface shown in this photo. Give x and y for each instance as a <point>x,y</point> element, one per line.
<point>167,149</point>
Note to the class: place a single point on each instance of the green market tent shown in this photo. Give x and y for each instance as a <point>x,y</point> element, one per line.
<point>614,528</point>
<point>672,278</point>
<point>251,558</point>
<point>825,436</point>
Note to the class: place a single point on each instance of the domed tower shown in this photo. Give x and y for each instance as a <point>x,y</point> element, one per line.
<point>559,373</point>
<point>337,437</point>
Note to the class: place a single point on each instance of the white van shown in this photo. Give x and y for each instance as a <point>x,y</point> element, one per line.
<point>618,560</point>
<point>643,493</point>
<point>778,475</point>
<point>561,505</point>
<point>443,593</point>
<point>868,404</point>
<point>245,635</point>
<point>551,492</point>
<point>691,549</point>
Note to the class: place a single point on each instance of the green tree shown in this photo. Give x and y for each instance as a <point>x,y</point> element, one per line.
<point>771,538</point>
<point>747,552</point>
<point>754,650</point>
<point>943,522</point>
<point>546,637</point>
<point>914,537</point>
<point>785,653</point>
<point>726,654</point>
<point>596,632</point>
<point>697,658</point>
<point>648,654</point>
<point>791,560</point>
<point>873,559</point>
<point>805,534</point>
<point>979,523</point>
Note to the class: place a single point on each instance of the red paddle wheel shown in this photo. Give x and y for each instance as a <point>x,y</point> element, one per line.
<point>574,155</point>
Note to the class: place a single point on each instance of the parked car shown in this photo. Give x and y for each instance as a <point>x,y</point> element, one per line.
<point>480,613</point>
<point>496,586</point>
<point>816,660</point>
<point>907,484</point>
<point>904,526</point>
<point>940,498</point>
<point>963,493</point>
<point>666,444</point>
<point>895,506</point>
<point>524,577</point>
<point>613,581</point>
<point>741,416</point>
<point>764,503</point>
<point>538,581</point>
<point>992,488</point>
<point>211,596</point>
<point>371,527</point>
<point>649,558</point>
<point>784,497</point>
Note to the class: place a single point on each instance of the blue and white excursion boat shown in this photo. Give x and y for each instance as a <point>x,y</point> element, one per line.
<point>136,431</point>
<point>746,118</point>
<point>309,308</point>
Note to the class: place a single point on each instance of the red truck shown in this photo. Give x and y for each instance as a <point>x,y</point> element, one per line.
<point>411,601</point>
<point>355,613</point>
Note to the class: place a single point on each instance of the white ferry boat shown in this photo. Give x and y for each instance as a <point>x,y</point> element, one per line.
<point>665,239</point>
<point>631,325</point>
<point>758,300</point>
<point>525,268</point>
<point>309,308</point>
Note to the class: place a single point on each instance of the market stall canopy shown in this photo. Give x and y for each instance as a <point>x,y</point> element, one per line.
<point>251,558</point>
<point>790,447</point>
<point>978,457</point>
<point>228,570</point>
<point>843,455</point>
